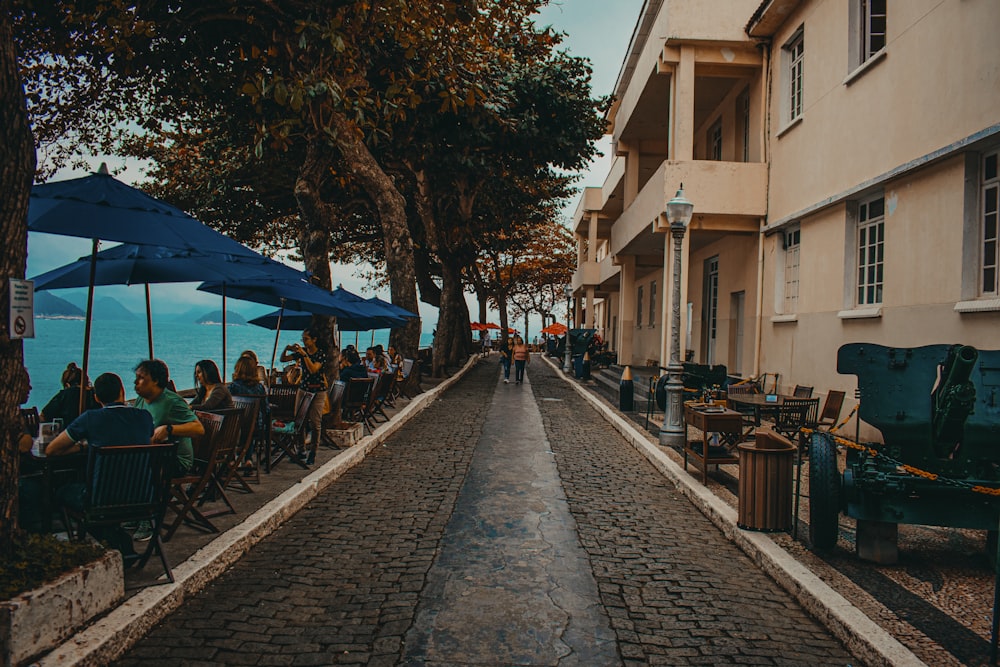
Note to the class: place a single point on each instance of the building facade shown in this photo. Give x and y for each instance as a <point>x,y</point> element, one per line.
<point>841,156</point>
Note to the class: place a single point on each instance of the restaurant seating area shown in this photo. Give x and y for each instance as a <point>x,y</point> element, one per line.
<point>241,462</point>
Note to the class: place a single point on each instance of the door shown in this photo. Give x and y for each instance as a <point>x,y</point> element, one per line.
<point>736,333</point>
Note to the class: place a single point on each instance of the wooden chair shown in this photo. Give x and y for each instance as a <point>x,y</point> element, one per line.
<point>188,493</point>
<point>30,419</point>
<point>831,409</point>
<point>802,391</point>
<point>249,407</point>
<point>282,401</point>
<point>382,395</point>
<point>411,383</point>
<point>288,443</point>
<point>793,414</point>
<point>751,416</point>
<point>126,483</point>
<point>332,419</point>
<point>356,397</point>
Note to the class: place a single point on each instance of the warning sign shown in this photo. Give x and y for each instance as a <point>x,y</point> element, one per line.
<point>22,308</point>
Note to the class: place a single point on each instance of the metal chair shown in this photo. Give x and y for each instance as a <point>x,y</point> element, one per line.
<point>802,391</point>
<point>126,483</point>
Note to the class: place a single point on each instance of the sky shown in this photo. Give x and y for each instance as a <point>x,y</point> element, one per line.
<point>598,30</point>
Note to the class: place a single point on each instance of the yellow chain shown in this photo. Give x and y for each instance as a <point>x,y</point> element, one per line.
<point>850,444</point>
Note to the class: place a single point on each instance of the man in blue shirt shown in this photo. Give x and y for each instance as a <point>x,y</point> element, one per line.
<point>114,424</point>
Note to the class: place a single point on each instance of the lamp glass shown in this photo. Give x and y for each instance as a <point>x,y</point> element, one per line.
<point>679,209</point>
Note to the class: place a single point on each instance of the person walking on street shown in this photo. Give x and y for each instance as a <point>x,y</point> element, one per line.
<point>505,358</point>
<point>522,357</point>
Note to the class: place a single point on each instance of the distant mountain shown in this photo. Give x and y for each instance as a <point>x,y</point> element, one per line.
<point>48,305</point>
<point>215,317</point>
<point>109,308</point>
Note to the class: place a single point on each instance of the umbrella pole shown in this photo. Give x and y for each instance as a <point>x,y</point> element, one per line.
<point>274,352</point>
<point>356,334</point>
<point>149,323</point>
<point>223,331</point>
<point>90,316</point>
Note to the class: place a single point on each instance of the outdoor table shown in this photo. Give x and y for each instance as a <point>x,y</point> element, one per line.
<point>36,463</point>
<point>760,404</point>
<point>712,419</point>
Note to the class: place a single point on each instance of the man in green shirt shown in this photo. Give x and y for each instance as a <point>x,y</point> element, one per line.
<point>173,419</point>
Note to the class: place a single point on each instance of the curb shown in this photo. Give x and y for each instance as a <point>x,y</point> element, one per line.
<point>112,635</point>
<point>863,637</point>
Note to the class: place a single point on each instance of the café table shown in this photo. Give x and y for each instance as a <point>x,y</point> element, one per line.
<point>47,469</point>
<point>712,419</point>
<point>759,405</point>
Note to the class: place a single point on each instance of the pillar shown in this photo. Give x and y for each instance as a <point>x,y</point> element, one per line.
<point>626,308</point>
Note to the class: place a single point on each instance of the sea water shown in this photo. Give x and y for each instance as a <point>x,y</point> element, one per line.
<point>118,346</point>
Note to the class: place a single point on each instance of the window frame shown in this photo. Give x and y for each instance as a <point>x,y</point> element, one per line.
<point>869,271</point>
<point>713,141</point>
<point>652,304</point>
<point>793,68</point>
<point>792,247</point>
<point>868,35</point>
<point>638,308</point>
<point>989,239</point>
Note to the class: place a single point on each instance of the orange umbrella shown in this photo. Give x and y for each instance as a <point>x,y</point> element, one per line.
<point>555,329</point>
<point>476,326</point>
<point>490,325</point>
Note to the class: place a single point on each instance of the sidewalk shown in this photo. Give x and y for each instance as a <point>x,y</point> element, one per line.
<point>937,601</point>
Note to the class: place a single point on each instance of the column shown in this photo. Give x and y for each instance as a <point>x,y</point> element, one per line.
<point>590,307</point>
<point>592,237</point>
<point>683,92</point>
<point>626,307</point>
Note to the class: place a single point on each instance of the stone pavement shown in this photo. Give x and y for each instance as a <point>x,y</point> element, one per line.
<point>504,524</point>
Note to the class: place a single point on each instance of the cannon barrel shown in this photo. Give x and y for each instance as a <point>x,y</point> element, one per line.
<point>954,399</point>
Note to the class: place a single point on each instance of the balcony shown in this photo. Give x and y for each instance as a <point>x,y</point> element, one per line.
<point>720,190</point>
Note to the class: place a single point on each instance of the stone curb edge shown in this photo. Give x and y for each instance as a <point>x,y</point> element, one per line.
<point>109,637</point>
<point>863,637</point>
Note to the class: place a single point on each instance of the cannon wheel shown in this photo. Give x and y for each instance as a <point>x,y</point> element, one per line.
<point>824,492</point>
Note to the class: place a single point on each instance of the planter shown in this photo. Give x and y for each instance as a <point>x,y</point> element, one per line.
<point>348,435</point>
<point>39,620</point>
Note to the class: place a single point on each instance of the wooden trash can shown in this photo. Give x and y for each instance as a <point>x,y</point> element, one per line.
<point>766,482</point>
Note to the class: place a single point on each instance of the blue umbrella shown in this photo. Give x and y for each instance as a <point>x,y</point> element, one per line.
<point>101,207</point>
<point>296,295</point>
<point>299,320</point>
<point>130,264</point>
<point>398,311</point>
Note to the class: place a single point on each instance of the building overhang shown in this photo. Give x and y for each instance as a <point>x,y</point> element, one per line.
<point>769,17</point>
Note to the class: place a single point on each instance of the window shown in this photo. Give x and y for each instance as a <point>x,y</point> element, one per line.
<point>791,278</point>
<point>871,250</point>
<point>715,141</point>
<point>792,55</point>
<point>990,216</point>
<point>638,308</point>
<point>872,15</point>
<point>652,304</point>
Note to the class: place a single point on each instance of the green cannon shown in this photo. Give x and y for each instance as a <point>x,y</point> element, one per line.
<point>938,410</point>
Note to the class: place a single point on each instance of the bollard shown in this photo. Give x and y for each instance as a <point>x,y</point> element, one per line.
<point>585,375</point>
<point>626,391</point>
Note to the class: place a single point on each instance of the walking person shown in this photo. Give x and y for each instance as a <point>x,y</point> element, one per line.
<point>505,358</point>
<point>522,357</point>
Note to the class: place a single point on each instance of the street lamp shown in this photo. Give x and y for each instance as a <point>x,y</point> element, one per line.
<point>567,361</point>
<point>672,433</point>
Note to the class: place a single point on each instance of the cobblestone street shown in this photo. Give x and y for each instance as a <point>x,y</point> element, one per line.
<point>414,545</point>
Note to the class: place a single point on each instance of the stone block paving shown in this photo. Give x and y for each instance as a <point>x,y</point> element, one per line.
<point>677,592</point>
<point>339,583</point>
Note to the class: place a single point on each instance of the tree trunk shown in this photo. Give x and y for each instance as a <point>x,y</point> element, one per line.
<point>395,232</point>
<point>452,339</point>
<point>319,219</point>
<point>17,169</point>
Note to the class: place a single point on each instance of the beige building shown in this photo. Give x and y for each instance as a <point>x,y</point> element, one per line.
<point>842,158</point>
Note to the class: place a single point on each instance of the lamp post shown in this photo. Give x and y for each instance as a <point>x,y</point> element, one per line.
<point>567,361</point>
<point>672,433</point>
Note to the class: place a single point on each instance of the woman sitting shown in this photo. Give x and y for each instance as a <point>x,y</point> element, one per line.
<point>210,392</point>
<point>65,405</point>
<point>245,383</point>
